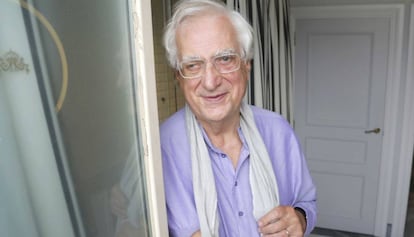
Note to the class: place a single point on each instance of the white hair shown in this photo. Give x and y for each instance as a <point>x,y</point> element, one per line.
<point>187,8</point>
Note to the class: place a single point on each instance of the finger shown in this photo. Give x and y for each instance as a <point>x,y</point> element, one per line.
<point>288,225</point>
<point>119,212</point>
<point>282,233</point>
<point>270,217</point>
<point>118,209</point>
<point>277,227</point>
<point>118,202</point>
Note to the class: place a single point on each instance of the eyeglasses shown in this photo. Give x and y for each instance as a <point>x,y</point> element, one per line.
<point>195,68</point>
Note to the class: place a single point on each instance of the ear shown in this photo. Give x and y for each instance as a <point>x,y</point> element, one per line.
<point>248,66</point>
<point>177,75</point>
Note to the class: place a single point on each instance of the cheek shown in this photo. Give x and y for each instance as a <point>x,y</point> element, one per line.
<point>241,84</point>
<point>188,88</point>
<point>241,79</point>
<point>245,68</point>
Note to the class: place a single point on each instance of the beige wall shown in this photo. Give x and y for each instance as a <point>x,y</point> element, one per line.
<point>169,97</point>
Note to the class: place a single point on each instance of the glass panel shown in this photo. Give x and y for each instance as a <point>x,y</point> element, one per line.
<point>70,149</point>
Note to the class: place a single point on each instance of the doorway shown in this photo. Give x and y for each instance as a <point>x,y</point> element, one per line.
<point>341,54</point>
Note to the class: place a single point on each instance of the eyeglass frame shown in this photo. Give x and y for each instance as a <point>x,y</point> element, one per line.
<point>205,62</point>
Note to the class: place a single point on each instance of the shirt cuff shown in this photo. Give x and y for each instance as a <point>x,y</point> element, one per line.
<point>183,232</point>
<point>303,213</point>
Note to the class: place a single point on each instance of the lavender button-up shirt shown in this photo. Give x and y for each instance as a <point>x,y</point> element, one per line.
<point>233,188</point>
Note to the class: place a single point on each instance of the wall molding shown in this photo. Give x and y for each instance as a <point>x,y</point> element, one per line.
<point>407,142</point>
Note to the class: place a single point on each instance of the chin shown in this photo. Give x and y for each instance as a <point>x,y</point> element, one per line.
<point>214,115</point>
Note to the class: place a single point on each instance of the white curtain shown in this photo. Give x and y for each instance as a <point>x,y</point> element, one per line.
<point>271,83</point>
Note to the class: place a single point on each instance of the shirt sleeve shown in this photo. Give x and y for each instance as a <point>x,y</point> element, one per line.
<point>295,184</point>
<point>181,210</point>
<point>303,188</point>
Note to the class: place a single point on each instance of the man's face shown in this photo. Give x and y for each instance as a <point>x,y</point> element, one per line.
<point>213,97</point>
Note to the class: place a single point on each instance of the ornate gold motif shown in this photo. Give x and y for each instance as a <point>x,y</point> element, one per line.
<point>13,62</point>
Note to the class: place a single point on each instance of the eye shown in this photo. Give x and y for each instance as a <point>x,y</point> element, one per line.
<point>225,59</point>
<point>192,66</point>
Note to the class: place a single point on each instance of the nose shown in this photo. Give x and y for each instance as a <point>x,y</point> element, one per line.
<point>212,78</point>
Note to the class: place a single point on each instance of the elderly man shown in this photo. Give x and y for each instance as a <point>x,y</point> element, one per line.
<point>230,169</point>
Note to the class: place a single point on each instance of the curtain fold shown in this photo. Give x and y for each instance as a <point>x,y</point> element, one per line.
<point>271,82</point>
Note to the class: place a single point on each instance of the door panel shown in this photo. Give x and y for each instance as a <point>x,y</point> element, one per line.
<point>341,71</point>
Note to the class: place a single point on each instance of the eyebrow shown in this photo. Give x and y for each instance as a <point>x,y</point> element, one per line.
<point>190,58</point>
<point>224,52</point>
<point>219,52</point>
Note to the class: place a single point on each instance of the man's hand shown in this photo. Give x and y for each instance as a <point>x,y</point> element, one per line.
<point>282,221</point>
<point>196,234</point>
<point>118,202</point>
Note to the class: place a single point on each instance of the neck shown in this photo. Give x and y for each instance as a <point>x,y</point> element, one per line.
<point>225,136</point>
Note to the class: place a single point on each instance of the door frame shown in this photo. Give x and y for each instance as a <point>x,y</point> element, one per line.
<point>407,141</point>
<point>144,70</point>
<point>395,14</point>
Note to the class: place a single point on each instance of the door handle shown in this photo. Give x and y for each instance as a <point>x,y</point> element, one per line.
<point>375,130</point>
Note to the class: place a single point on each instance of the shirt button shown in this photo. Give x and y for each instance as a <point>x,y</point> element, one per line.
<point>241,213</point>
<point>223,155</point>
<point>235,183</point>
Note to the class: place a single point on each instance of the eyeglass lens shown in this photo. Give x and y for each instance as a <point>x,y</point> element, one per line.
<point>222,63</point>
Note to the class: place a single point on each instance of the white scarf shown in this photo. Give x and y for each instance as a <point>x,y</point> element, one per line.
<point>262,178</point>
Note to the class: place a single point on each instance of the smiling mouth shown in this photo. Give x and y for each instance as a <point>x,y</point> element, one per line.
<point>214,98</point>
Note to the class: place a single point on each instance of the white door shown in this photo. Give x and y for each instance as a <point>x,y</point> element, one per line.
<point>341,72</point>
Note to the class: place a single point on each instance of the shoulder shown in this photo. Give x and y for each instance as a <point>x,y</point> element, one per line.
<point>174,125</point>
<point>269,121</point>
<point>173,137</point>
<point>276,132</point>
